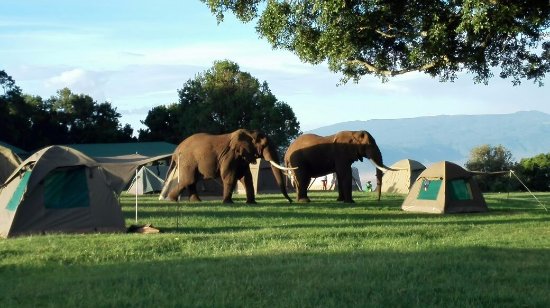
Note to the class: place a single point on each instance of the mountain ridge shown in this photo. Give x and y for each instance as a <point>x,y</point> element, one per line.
<point>429,139</point>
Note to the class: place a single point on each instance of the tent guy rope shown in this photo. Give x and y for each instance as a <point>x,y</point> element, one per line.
<point>511,172</point>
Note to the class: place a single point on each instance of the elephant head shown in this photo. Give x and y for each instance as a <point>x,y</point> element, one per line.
<point>359,144</point>
<point>266,149</point>
<point>243,144</point>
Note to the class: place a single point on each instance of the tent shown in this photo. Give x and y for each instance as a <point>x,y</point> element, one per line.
<point>9,161</point>
<point>205,187</point>
<point>59,189</point>
<point>148,179</point>
<point>445,187</point>
<point>263,179</point>
<point>332,184</point>
<point>400,181</point>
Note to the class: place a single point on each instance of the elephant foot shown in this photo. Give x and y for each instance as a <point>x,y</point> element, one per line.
<point>172,197</point>
<point>251,202</point>
<point>194,198</point>
<point>228,201</point>
<point>349,201</point>
<point>304,200</point>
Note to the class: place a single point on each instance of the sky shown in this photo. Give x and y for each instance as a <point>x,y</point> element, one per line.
<point>136,54</point>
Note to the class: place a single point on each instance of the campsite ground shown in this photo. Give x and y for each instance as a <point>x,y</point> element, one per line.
<point>275,254</point>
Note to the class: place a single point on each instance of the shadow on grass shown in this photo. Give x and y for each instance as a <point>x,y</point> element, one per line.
<point>457,277</point>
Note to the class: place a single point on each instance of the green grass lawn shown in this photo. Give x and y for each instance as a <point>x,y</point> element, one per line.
<point>275,254</point>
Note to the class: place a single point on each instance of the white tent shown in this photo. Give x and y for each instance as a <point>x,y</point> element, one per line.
<point>400,181</point>
<point>149,179</point>
<point>332,182</point>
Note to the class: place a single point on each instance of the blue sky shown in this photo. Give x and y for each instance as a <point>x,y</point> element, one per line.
<point>136,54</point>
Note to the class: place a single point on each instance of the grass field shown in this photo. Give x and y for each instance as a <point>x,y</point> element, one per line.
<point>275,254</point>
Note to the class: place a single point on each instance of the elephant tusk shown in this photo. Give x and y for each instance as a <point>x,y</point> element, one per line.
<point>281,167</point>
<point>382,168</point>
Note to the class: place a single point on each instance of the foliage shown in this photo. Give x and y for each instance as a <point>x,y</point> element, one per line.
<point>275,254</point>
<point>86,120</point>
<point>487,158</point>
<point>221,100</point>
<point>536,172</point>
<point>386,38</point>
<point>62,119</point>
<point>15,114</point>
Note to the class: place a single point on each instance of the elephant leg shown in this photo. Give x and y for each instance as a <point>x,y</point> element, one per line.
<point>303,184</point>
<point>339,187</point>
<point>249,187</point>
<point>344,184</point>
<point>193,195</point>
<point>185,178</point>
<point>228,187</point>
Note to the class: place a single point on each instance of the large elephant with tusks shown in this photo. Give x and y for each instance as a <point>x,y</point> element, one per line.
<point>226,156</point>
<point>315,156</point>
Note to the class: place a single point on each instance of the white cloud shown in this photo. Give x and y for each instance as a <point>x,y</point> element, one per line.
<point>79,81</point>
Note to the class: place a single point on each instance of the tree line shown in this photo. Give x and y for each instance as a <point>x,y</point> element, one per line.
<point>219,100</point>
<point>533,171</point>
<point>31,122</point>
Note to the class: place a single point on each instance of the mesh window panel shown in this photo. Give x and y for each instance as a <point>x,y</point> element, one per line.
<point>429,189</point>
<point>66,188</point>
<point>460,190</point>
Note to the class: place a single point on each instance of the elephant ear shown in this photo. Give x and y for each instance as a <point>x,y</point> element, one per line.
<point>241,142</point>
<point>259,139</point>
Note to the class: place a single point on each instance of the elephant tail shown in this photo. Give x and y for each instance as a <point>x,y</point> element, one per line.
<point>172,166</point>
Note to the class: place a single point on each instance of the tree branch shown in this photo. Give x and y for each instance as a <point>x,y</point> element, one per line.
<point>392,73</point>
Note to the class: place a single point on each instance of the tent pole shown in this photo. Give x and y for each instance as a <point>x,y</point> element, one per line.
<point>136,182</point>
<point>178,201</point>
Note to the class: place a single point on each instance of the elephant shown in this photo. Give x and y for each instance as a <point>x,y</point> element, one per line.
<point>316,156</point>
<point>226,156</point>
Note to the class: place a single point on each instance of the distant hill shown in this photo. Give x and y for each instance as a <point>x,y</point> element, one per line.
<point>436,138</point>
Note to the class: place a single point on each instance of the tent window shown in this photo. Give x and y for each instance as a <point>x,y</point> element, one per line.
<point>460,190</point>
<point>66,188</point>
<point>429,189</point>
<point>18,193</point>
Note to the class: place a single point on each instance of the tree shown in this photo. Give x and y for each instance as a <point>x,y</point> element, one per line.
<point>161,124</point>
<point>536,172</point>
<point>221,100</point>
<point>15,114</point>
<point>30,122</point>
<point>386,38</point>
<point>85,120</point>
<point>487,158</point>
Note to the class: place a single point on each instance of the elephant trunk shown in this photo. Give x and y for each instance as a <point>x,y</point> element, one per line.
<point>271,156</point>
<point>379,175</point>
<point>279,177</point>
<point>376,160</point>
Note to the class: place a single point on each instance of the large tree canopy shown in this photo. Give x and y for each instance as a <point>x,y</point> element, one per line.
<point>221,100</point>
<point>386,38</point>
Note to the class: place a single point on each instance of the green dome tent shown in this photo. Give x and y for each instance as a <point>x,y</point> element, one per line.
<point>445,187</point>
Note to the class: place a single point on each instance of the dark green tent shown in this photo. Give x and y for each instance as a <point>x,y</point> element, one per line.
<point>59,189</point>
